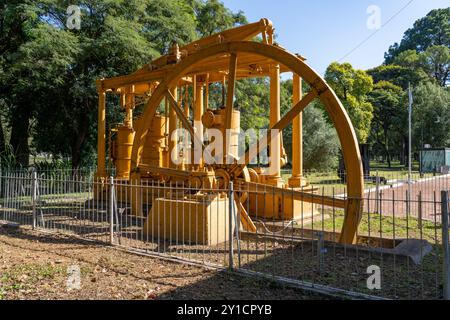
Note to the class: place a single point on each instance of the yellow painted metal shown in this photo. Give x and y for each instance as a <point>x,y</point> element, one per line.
<point>214,59</point>
<point>215,119</point>
<point>173,136</point>
<point>246,221</point>
<point>189,220</point>
<point>229,108</point>
<point>333,106</point>
<point>101,132</point>
<point>198,125</point>
<point>297,181</point>
<point>155,146</point>
<point>129,106</point>
<point>281,125</point>
<point>275,116</point>
<point>124,147</point>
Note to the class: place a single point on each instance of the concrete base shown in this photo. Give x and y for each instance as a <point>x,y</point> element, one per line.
<point>414,249</point>
<point>297,182</point>
<point>200,220</point>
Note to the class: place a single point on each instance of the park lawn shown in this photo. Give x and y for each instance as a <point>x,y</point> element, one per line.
<point>61,197</point>
<point>376,225</point>
<point>329,183</point>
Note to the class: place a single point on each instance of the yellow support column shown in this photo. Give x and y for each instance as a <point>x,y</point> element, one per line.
<point>125,135</point>
<point>275,116</point>
<point>198,112</point>
<point>297,181</point>
<point>101,132</point>
<point>129,107</point>
<point>173,136</point>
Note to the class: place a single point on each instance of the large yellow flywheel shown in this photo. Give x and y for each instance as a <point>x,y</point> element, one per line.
<point>233,52</point>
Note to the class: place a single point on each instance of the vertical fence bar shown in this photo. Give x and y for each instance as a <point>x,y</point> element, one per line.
<point>34,196</point>
<point>230,225</point>
<point>111,210</point>
<point>377,193</point>
<point>445,244</point>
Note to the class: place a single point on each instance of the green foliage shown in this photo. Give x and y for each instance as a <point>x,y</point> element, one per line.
<point>48,97</point>
<point>432,30</point>
<point>51,71</point>
<point>320,145</point>
<point>390,114</point>
<point>431,111</point>
<point>421,60</point>
<point>352,87</point>
<point>168,21</point>
<point>436,62</point>
<point>214,17</point>
<point>252,99</point>
<point>320,141</point>
<point>398,75</point>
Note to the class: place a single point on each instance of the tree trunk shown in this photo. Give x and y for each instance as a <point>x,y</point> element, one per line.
<point>20,125</point>
<point>79,141</point>
<point>386,148</point>
<point>405,151</point>
<point>2,139</point>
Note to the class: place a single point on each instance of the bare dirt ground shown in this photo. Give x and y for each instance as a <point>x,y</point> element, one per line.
<point>35,266</point>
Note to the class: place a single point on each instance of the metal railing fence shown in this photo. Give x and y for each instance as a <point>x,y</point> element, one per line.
<point>401,249</point>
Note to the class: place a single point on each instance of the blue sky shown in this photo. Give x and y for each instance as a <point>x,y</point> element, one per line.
<point>326,30</point>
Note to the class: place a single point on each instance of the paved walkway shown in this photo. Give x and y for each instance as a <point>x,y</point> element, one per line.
<point>425,199</point>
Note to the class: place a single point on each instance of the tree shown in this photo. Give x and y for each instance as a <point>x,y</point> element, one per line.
<point>110,43</point>
<point>320,141</point>
<point>168,21</point>
<point>116,38</point>
<point>401,76</point>
<point>352,87</point>
<point>432,30</point>
<point>36,75</point>
<point>15,19</point>
<point>431,116</point>
<point>436,62</point>
<point>252,99</point>
<point>389,116</point>
<point>214,17</point>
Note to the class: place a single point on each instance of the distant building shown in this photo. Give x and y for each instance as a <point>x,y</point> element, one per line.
<point>435,160</point>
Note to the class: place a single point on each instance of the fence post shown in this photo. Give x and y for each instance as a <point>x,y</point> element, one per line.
<point>377,192</point>
<point>445,244</point>
<point>230,225</point>
<point>34,196</point>
<point>238,236</point>
<point>111,210</point>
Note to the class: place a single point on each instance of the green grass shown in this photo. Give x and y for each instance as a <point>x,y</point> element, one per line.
<point>376,225</point>
<point>27,275</point>
<point>52,197</point>
<point>329,183</point>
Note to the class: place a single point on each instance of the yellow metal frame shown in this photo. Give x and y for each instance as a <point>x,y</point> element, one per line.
<point>232,55</point>
<point>320,89</point>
